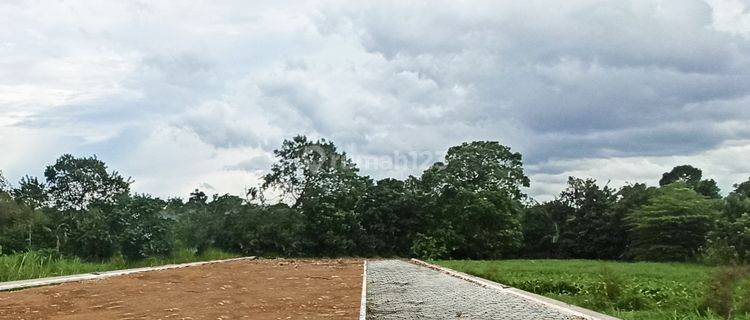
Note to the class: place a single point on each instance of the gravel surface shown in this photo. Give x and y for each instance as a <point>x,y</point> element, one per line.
<point>401,290</point>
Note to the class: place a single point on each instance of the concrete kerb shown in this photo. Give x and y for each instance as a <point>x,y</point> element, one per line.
<point>363,299</point>
<point>555,304</point>
<point>23,284</point>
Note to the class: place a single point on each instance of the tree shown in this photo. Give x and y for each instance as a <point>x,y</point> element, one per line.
<point>198,197</point>
<point>324,184</point>
<point>628,199</point>
<point>31,192</point>
<point>486,224</point>
<point>737,203</point>
<point>742,188</point>
<point>389,215</point>
<point>4,184</point>
<point>305,166</point>
<point>673,225</point>
<point>541,225</point>
<point>685,173</point>
<point>201,224</point>
<point>145,230</point>
<point>592,230</point>
<point>729,242</point>
<point>479,166</point>
<point>691,176</point>
<point>476,195</point>
<point>276,230</point>
<point>74,183</point>
<point>89,236</point>
<point>21,228</point>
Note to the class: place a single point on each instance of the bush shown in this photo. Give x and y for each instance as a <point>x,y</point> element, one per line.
<point>273,231</point>
<point>729,242</point>
<point>718,251</point>
<point>428,247</point>
<point>91,239</point>
<point>145,231</point>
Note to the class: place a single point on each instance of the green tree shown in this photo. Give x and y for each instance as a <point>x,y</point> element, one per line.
<point>628,199</point>
<point>743,188</point>
<point>74,183</point>
<point>325,184</point>
<point>21,227</point>
<point>476,195</point>
<point>692,177</point>
<point>276,230</point>
<point>88,236</point>
<point>201,223</point>
<point>146,230</point>
<point>479,166</point>
<point>541,224</point>
<point>219,217</point>
<point>593,230</point>
<point>673,225</point>
<point>390,217</point>
<point>486,224</point>
<point>729,242</point>
<point>31,192</point>
<point>4,184</point>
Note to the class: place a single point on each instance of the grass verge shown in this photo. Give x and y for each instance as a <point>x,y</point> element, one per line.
<point>34,264</point>
<point>643,290</point>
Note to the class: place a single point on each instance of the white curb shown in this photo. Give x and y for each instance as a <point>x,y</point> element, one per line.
<point>363,300</point>
<point>555,304</point>
<point>22,284</point>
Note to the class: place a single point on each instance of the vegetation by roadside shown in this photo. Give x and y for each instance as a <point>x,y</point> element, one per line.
<point>40,264</point>
<point>641,290</point>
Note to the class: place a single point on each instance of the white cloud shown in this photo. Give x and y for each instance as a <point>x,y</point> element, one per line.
<point>183,94</point>
<point>731,16</point>
<point>728,164</point>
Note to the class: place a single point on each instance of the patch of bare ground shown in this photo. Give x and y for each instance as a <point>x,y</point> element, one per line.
<point>259,289</point>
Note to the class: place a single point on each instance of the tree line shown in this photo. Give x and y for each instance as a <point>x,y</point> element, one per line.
<point>471,205</point>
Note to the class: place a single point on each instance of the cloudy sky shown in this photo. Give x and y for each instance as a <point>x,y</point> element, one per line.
<point>181,95</point>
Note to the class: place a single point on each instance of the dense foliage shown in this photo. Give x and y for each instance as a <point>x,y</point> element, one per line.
<point>470,205</point>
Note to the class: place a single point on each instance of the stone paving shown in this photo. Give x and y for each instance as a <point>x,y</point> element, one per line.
<point>401,290</point>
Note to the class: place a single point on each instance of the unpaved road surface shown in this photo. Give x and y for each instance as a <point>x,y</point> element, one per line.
<point>401,290</point>
<point>261,289</point>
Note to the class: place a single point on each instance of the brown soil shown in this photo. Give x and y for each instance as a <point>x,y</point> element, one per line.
<point>261,289</point>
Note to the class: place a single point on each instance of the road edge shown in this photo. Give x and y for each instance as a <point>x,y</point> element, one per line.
<point>363,299</point>
<point>40,282</point>
<point>552,303</point>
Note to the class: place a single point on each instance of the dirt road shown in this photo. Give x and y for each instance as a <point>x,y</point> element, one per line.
<point>262,289</point>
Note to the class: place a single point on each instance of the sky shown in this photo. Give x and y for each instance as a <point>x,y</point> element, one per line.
<point>197,94</point>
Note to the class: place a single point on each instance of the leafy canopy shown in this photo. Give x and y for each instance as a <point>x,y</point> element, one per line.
<point>691,176</point>
<point>673,225</point>
<point>479,166</point>
<point>74,183</point>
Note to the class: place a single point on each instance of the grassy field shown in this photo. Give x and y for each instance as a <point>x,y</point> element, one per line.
<point>640,291</point>
<point>33,264</point>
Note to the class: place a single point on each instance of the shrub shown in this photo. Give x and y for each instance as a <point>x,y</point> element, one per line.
<point>91,239</point>
<point>428,247</point>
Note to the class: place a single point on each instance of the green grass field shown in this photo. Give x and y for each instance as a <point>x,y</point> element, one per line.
<point>31,265</point>
<point>640,290</point>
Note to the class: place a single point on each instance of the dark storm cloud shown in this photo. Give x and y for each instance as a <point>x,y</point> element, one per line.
<point>587,79</point>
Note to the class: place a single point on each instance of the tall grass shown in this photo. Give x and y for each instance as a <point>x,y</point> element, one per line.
<point>39,264</point>
<point>727,292</point>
